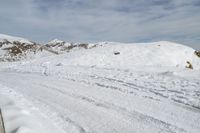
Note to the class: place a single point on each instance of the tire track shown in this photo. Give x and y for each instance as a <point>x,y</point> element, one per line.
<point>164,127</point>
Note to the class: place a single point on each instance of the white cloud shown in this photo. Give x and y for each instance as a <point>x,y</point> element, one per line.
<point>100,20</point>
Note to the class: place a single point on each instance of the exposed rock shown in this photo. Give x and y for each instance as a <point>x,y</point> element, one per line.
<point>189,65</point>
<point>15,49</point>
<point>197,53</point>
<point>116,53</point>
<point>62,46</point>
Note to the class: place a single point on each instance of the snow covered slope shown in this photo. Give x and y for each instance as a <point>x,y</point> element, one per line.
<point>12,39</point>
<point>63,47</point>
<point>16,48</point>
<point>129,55</point>
<point>120,55</point>
<point>21,120</point>
<point>104,54</point>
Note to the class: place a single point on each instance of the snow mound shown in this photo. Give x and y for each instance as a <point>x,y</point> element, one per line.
<point>112,54</point>
<point>20,116</point>
<point>17,120</point>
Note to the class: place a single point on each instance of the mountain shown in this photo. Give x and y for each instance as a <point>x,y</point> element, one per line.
<point>102,54</point>
<point>58,46</point>
<point>62,46</point>
<point>16,48</point>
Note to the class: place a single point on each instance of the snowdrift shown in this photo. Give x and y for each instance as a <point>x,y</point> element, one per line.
<point>19,116</point>
<point>17,120</point>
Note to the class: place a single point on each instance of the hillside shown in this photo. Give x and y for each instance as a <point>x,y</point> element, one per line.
<point>112,54</point>
<point>15,48</point>
<point>102,54</point>
<point>120,55</point>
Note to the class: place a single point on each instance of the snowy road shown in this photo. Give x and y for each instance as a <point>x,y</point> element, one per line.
<point>89,100</point>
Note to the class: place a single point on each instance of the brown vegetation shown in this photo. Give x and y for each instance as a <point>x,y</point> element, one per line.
<point>19,48</point>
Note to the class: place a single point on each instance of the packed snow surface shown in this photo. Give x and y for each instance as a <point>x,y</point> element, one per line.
<point>110,88</point>
<point>20,120</point>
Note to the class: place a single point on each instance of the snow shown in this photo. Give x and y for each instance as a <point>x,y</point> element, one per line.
<point>55,41</point>
<point>97,100</point>
<point>22,120</point>
<point>167,54</point>
<point>12,39</point>
<point>28,49</point>
<point>146,88</point>
<point>157,54</point>
<point>58,45</point>
<point>63,47</point>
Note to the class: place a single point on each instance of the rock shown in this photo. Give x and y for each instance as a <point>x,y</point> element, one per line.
<point>197,53</point>
<point>116,53</point>
<point>189,65</point>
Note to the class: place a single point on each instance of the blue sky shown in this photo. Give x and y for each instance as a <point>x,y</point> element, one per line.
<point>103,20</point>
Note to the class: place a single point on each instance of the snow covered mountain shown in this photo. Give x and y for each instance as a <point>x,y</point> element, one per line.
<point>62,46</point>
<point>106,54</point>
<point>16,48</point>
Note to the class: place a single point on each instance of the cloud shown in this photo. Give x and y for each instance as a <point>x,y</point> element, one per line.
<point>101,20</point>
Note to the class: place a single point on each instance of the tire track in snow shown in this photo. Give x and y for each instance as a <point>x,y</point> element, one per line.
<point>131,88</point>
<point>97,102</point>
<point>165,127</point>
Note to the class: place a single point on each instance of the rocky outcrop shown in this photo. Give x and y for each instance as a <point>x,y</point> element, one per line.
<point>14,49</point>
<point>62,46</point>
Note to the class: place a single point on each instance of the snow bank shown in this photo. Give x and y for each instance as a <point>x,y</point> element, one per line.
<point>18,120</point>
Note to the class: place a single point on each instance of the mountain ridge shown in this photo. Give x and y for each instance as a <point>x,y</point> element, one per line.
<point>162,53</point>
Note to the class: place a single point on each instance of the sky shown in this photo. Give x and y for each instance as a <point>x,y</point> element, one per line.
<point>103,20</point>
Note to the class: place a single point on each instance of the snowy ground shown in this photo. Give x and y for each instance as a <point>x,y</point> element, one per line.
<point>85,99</point>
<point>94,91</point>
